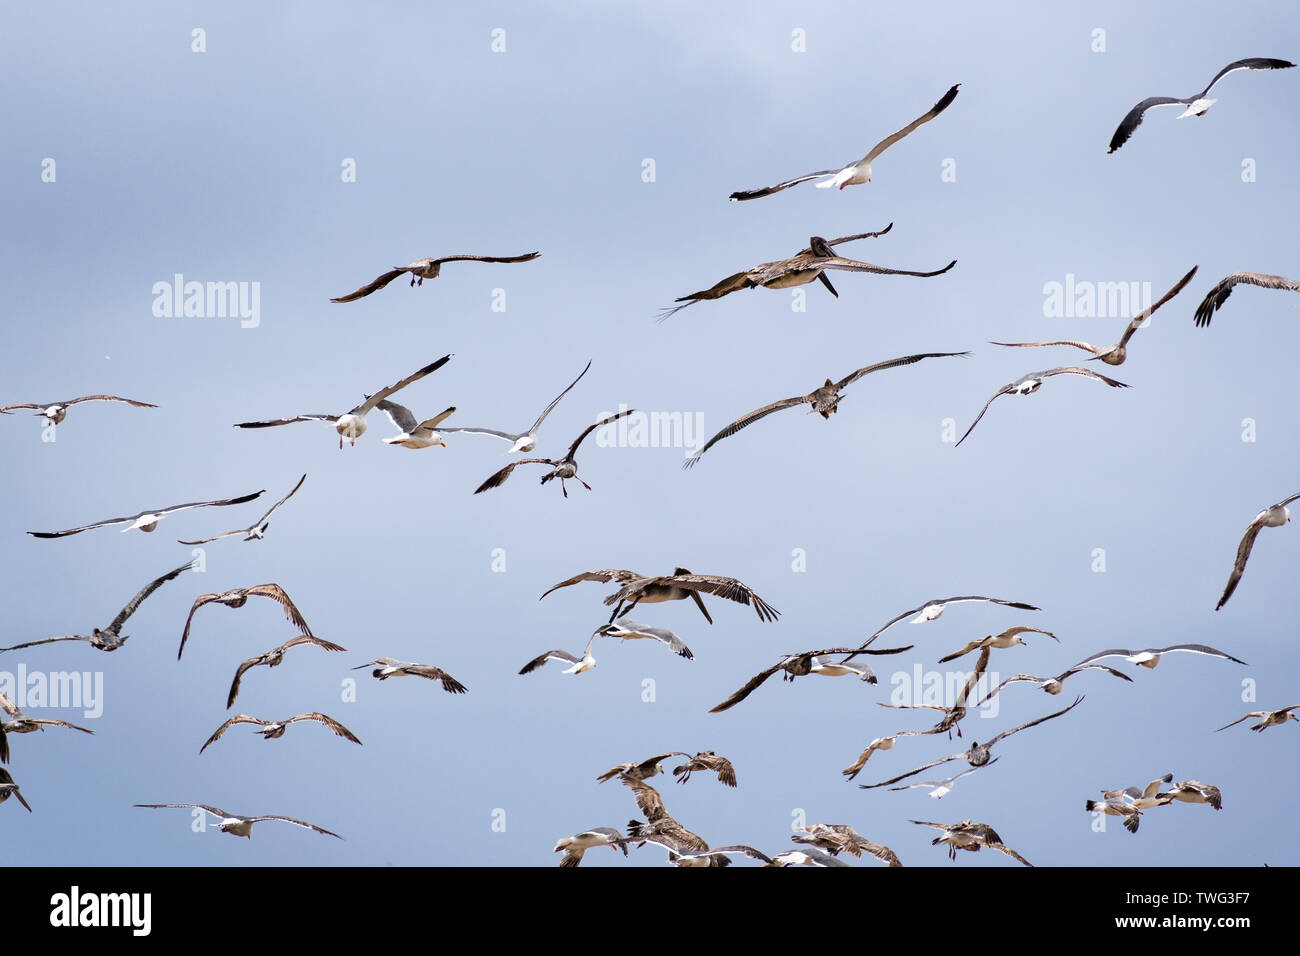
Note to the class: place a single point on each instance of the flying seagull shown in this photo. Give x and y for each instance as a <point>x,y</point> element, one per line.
<point>578,665</point>
<point>236,825</point>
<point>111,637</point>
<point>1150,657</point>
<point>966,835</point>
<point>1196,105</point>
<point>880,743</point>
<point>257,530</point>
<point>1274,516</point>
<point>1193,791</point>
<point>352,424</point>
<point>10,789</point>
<point>525,441</point>
<point>1146,797</point>
<point>1272,718</point>
<point>933,610</point>
<point>1113,354</point>
<point>709,762</point>
<point>1032,383</point>
<point>824,400</point>
<point>386,667</point>
<point>627,630</point>
<point>422,269</point>
<point>809,857</point>
<point>55,412</point>
<point>941,788</point>
<point>20,724</point>
<point>147,520</point>
<point>563,468</point>
<point>575,846</point>
<point>1052,685</point>
<point>1008,638</point>
<point>802,664</point>
<point>856,173</point>
<point>837,838</point>
<point>414,435</point>
<point>273,729</point>
<point>718,856</point>
<point>678,586</point>
<point>273,658</point>
<point>659,828</point>
<point>238,597</point>
<point>1113,804</point>
<point>1215,298</point>
<point>639,771</point>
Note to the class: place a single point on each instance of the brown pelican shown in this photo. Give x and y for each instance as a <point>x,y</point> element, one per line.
<point>386,667</point>
<point>1052,685</point>
<point>706,761</point>
<point>1274,516</point>
<point>257,530</point>
<point>1193,791</point>
<point>56,412</point>
<point>147,520</point>
<point>659,828</point>
<point>575,846</point>
<point>236,825</point>
<point>19,724</point>
<point>415,435</point>
<point>824,400</point>
<point>966,835</point>
<point>859,172</point>
<point>111,637</point>
<point>802,664</point>
<point>1008,638</point>
<point>238,597</point>
<point>524,441</point>
<point>422,269</point>
<point>562,468</point>
<point>273,658</point>
<point>1272,718</point>
<point>1113,354</point>
<point>1215,298</point>
<point>1196,105</point>
<point>836,838</point>
<point>678,586</point>
<point>274,729</point>
<point>1032,383</point>
<point>10,789</point>
<point>1150,657</point>
<point>352,424</point>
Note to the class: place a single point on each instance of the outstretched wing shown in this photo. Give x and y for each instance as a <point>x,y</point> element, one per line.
<point>107,398</point>
<point>944,102</point>
<point>373,400</point>
<point>399,415</point>
<point>1004,390</point>
<point>603,575</point>
<point>743,194</point>
<point>370,287</point>
<point>594,425</point>
<point>497,479</point>
<point>728,588</point>
<point>335,727</point>
<point>540,659</point>
<point>1250,63</point>
<point>1219,294</point>
<point>893,363</point>
<point>1033,723</point>
<point>853,265</point>
<point>549,408</point>
<point>1133,119</point>
<point>278,595</point>
<point>753,684</point>
<point>237,719</point>
<point>145,591</point>
<point>1239,564</point>
<point>1142,317</point>
<point>744,422</point>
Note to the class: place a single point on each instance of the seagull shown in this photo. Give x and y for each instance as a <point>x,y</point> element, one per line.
<point>526,441</point>
<point>1272,718</point>
<point>969,836</point>
<point>639,771</point>
<point>954,714</point>
<point>422,269</point>
<point>717,856</point>
<point>257,530</point>
<point>352,424</point>
<point>578,844</point>
<point>854,174</point>
<point>238,597</point>
<point>710,762</point>
<point>1147,797</point>
<point>1193,791</point>
<point>1196,105</point>
<point>1274,516</point>
<point>1008,638</point>
<point>236,825</point>
<point>10,789</point>
<point>55,412</point>
<point>579,665</point>
<point>386,667</point>
<point>147,520</point>
<point>835,838</point>
<point>807,662</point>
<point>563,468</point>
<point>273,658</point>
<point>19,724</point>
<point>809,857</point>
<point>659,828</point>
<point>1113,804</point>
<point>678,586</point>
<point>415,435</point>
<point>941,788</point>
<point>1113,354</point>
<point>1032,383</point>
<point>1052,685</point>
<point>933,610</point>
<point>273,729</point>
<point>978,754</point>
<point>824,400</point>
<point>807,265</point>
<point>1215,298</point>
<point>628,630</point>
<point>111,637</point>
<point>1150,657</point>
<point>880,743</point>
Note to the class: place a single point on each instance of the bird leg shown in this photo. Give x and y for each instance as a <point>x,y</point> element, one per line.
<point>584,484</point>
<point>563,489</point>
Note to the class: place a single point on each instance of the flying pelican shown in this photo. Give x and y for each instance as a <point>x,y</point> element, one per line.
<point>422,269</point>
<point>111,637</point>
<point>933,610</point>
<point>659,828</point>
<point>415,435</point>
<point>639,771</point>
<point>562,468</point>
<point>941,788</point>
<point>273,729</point>
<point>1274,516</point>
<point>20,724</point>
<point>524,441</point>
<point>1196,105</point>
<point>824,400</point>
<point>10,789</point>
<point>1193,791</point>
<point>55,412</point>
<point>1150,656</point>
<point>273,658</point>
<point>802,664</point>
<point>1052,685</point>
<point>1272,718</point>
<point>1008,638</point>
<point>236,825</point>
<point>238,597</point>
<point>147,520</point>
<point>1032,383</point>
<point>678,586</point>
<point>709,762</point>
<point>1215,298</point>
<point>856,173</point>
<point>880,743</point>
<point>966,835</point>
<point>257,530</point>
<point>386,667</point>
<point>836,838</point>
<point>352,424</point>
<point>1113,354</point>
<point>575,846</point>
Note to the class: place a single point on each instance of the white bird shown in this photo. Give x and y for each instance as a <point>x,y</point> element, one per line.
<point>804,663</point>
<point>565,468</point>
<point>941,788</point>
<point>1196,105</point>
<point>1052,685</point>
<point>854,173</point>
<point>1274,516</point>
<point>808,857</point>
<point>718,856</point>
<point>1008,638</point>
<point>1215,298</point>
<point>148,520</point>
<point>56,412</point>
<point>1113,804</point>
<point>422,269</point>
<point>257,530</point>
<point>386,667</point>
<point>575,846</point>
<point>524,441</point>
<point>236,825</point>
<point>1148,796</point>
<point>933,610</point>
<point>415,435</point>
<point>1193,791</point>
<point>1150,656</point>
<point>1271,718</point>
<point>627,630</point>
<point>1032,383</point>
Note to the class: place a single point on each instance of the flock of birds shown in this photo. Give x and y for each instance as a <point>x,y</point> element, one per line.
<point>816,844</point>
